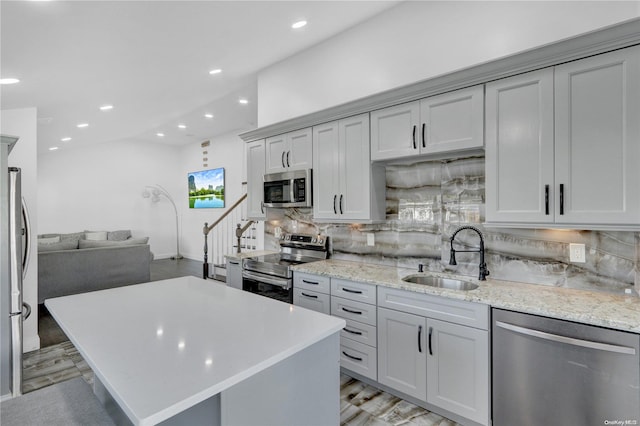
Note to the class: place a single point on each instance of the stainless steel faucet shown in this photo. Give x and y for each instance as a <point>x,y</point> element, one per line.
<point>483,266</point>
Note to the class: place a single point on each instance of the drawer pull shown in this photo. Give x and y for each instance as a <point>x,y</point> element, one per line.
<point>359,333</point>
<point>351,291</point>
<point>309,295</point>
<point>351,356</point>
<point>310,282</point>
<point>352,312</point>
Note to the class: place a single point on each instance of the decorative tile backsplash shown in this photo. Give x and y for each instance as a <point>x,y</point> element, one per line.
<point>427,201</point>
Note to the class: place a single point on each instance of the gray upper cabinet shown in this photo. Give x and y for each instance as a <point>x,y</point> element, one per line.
<point>519,151</point>
<point>346,187</point>
<point>255,180</point>
<point>597,139</point>
<point>563,145</point>
<point>290,151</point>
<point>445,123</point>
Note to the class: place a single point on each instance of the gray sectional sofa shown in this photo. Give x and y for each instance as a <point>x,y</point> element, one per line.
<point>87,261</point>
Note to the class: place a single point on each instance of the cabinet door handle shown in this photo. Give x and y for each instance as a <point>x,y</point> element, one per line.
<point>414,137</point>
<point>351,291</point>
<point>562,198</point>
<point>262,206</point>
<point>288,152</point>
<point>420,338</point>
<point>310,282</point>
<point>341,212</point>
<point>335,196</point>
<point>430,347</point>
<point>546,200</point>
<point>424,142</point>
<point>359,333</point>
<point>351,356</point>
<point>282,160</point>
<point>352,312</point>
<point>309,295</point>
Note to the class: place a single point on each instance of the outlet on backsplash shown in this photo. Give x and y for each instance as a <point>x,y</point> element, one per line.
<point>577,253</point>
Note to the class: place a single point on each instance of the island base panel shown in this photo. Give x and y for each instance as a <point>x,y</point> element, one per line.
<point>302,389</point>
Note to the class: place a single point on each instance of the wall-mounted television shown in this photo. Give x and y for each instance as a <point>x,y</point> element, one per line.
<point>206,189</point>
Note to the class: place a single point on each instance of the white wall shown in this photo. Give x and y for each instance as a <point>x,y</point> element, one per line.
<point>99,187</point>
<point>417,40</point>
<point>23,123</point>
<point>224,151</point>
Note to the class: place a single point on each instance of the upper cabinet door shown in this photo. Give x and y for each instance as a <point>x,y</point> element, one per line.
<point>394,131</point>
<point>290,151</point>
<point>255,180</point>
<point>326,170</point>
<point>355,186</point>
<point>597,137</point>
<point>452,121</point>
<point>519,157</point>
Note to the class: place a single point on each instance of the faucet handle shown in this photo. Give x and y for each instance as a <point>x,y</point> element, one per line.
<point>420,267</point>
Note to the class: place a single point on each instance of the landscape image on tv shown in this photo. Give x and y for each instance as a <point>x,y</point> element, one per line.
<point>206,189</point>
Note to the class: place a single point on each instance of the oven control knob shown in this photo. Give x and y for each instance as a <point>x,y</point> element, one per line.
<point>313,240</point>
<point>320,241</point>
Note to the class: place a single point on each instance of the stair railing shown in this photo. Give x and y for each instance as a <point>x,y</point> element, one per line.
<point>223,232</point>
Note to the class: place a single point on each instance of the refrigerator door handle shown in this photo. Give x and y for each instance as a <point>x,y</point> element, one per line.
<point>26,255</point>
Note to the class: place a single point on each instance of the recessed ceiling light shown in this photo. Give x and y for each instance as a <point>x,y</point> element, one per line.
<point>160,134</point>
<point>208,116</point>
<point>243,101</point>
<point>66,139</point>
<point>106,107</point>
<point>9,80</point>
<point>82,125</point>
<point>53,148</point>
<point>215,71</point>
<point>182,126</point>
<point>298,24</point>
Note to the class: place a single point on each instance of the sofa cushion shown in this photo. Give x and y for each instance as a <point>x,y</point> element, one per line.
<point>96,236</point>
<point>62,245</point>
<point>97,244</point>
<point>120,235</point>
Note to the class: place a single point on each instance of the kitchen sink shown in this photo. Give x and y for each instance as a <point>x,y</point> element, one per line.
<point>450,283</point>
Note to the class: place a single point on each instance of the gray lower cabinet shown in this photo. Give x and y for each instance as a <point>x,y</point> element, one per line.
<point>402,355</point>
<point>312,292</point>
<point>436,350</point>
<point>458,369</point>
<point>234,273</point>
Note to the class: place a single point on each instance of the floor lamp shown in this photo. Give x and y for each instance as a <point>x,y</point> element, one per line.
<point>154,192</point>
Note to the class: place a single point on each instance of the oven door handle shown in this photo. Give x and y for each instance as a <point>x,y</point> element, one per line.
<point>267,280</point>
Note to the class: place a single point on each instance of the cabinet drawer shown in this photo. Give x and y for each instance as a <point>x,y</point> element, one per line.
<point>426,305</point>
<point>313,300</point>
<point>352,290</point>
<point>350,309</point>
<point>317,283</point>
<point>359,358</point>
<point>360,332</point>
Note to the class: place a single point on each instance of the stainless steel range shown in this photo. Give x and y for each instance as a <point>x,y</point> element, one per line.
<point>271,275</point>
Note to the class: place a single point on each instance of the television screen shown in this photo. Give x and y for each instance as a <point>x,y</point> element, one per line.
<point>206,189</point>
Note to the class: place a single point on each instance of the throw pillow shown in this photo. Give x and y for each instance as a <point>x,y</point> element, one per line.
<point>49,240</point>
<point>121,235</point>
<point>96,236</point>
<point>62,245</point>
<point>105,243</point>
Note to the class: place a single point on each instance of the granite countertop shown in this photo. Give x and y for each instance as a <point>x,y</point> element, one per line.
<point>256,253</point>
<point>618,312</point>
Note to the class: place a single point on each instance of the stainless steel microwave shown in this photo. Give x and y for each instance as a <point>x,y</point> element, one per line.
<point>288,189</point>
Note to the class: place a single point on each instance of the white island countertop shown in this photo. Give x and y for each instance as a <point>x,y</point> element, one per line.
<point>161,347</point>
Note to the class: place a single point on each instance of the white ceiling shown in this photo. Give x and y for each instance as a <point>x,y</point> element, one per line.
<point>151,60</point>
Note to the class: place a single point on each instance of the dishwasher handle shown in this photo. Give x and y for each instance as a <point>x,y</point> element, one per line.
<point>567,340</point>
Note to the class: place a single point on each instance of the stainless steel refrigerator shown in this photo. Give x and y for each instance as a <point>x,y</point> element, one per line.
<point>14,238</point>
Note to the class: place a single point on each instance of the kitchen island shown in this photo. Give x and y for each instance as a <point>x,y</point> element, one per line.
<point>191,351</point>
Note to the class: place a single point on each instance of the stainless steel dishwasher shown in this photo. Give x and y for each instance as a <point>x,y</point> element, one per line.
<point>554,372</point>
